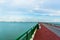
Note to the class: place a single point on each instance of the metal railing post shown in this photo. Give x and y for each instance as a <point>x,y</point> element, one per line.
<point>26,35</point>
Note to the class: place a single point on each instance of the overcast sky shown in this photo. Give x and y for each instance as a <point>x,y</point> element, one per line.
<point>30,10</point>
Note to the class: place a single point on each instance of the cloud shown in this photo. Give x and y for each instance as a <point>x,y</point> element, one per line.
<point>28,10</point>
<point>14,18</point>
<point>24,3</point>
<point>2,1</point>
<point>56,20</point>
<point>24,18</point>
<point>49,12</point>
<point>52,4</point>
<point>21,3</point>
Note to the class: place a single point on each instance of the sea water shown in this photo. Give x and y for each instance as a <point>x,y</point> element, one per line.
<point>12,30</point>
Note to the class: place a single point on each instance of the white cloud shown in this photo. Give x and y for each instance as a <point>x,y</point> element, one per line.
<point>30,6</point>
<point>2,1</point>
<point>54,14</point>
<point>21,2</point>
<point>51,12</point>
<point>25,3</point>
<point>37,7</point>
<point>12,18</point>
<point>56,20</point>
<point>23,18</point>
<point>43,9</point>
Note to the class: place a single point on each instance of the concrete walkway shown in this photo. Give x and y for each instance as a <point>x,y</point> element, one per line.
<point>45,33</point>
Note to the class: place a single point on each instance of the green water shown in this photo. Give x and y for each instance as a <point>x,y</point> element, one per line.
<point>12,30</point>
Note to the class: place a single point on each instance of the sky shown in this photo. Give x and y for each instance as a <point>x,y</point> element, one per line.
<point>30,10</point>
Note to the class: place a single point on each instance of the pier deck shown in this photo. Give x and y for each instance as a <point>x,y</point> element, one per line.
<point>45,33</point>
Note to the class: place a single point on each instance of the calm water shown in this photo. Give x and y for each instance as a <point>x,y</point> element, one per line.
<point>12,30</point>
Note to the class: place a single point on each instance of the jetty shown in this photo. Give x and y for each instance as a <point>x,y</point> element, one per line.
<point>47,32</point>
<point>42,31</point>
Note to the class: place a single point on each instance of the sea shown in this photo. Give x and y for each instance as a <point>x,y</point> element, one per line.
<point>12,30</point>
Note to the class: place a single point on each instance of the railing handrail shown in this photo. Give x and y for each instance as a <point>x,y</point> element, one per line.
<point>25,33</point>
